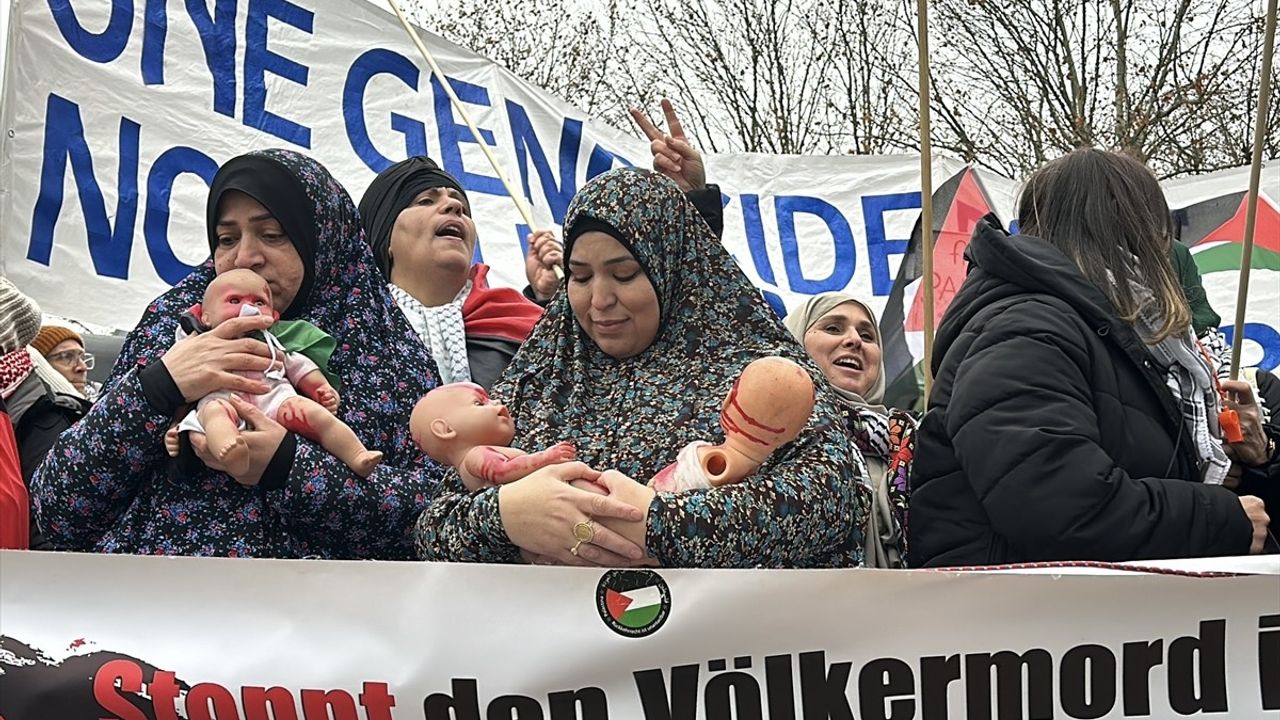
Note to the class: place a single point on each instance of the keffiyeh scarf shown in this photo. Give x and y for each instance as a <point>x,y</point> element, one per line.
<point>14,368</point>
<point>442,330</point>
<point>1191,381</point>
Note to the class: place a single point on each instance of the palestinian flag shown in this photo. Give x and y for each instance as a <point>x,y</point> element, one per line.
<point>636,608</point>
<point>958,204</point>
<point>1213,229</point>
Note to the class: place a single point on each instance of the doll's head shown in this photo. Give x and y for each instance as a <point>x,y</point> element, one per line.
<point>768,406</point>
<point>230,293</point>
<point>453,418</point>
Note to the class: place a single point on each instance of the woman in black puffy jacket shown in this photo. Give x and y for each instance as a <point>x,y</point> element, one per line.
<point>1073,416</point>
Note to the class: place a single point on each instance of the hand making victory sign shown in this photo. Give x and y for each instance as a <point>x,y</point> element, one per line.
<point>673,155</point>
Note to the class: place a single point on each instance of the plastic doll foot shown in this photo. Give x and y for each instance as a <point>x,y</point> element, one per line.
<point>365,462</point>
<point>234,456</point>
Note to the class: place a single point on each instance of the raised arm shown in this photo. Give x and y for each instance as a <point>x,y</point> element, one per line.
<point>677,158</point>
<point>673,154</point>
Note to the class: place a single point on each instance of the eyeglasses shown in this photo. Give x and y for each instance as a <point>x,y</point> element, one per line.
<point>69,358</point>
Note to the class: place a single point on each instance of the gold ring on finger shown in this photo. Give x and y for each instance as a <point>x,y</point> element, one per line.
<point>584,532</point>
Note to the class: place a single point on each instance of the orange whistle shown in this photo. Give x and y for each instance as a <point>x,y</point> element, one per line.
<point>1230,421</point>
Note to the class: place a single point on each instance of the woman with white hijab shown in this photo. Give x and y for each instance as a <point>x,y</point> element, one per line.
<point>842,336</point>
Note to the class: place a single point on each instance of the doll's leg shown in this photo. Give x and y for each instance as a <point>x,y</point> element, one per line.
<point>222,430</point>
<point>309,419</point>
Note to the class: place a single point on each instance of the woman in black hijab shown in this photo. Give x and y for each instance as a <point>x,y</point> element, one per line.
<point>418,220</point>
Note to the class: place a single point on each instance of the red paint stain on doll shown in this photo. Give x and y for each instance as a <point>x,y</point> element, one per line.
<point>295,419</point>
<point>732,425</point>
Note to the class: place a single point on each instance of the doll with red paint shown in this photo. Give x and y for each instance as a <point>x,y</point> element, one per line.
<point>767,407</point>
<point>300,397</point>
<point>459,425</point>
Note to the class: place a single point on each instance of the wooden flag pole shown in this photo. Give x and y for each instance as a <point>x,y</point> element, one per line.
<point>516,197</point>
<point>926,194</point>
<point>1255,177</point>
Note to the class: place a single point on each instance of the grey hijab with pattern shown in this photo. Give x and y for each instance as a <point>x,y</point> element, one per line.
<point>635,414</point>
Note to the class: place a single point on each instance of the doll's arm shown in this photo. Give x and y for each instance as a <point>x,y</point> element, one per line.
<point>309,380</point>
<point>493,466</point>
<point>315,386</point>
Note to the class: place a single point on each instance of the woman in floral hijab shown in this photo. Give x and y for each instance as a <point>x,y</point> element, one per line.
<point>631,411</point>
<point>109,486</point>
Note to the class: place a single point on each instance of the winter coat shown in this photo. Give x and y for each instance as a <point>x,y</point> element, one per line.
<point>1050,433</point>
<point>1263,480</point>
<point>41,416</point>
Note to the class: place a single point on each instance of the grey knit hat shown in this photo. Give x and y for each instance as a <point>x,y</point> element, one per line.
<point>19,318</point>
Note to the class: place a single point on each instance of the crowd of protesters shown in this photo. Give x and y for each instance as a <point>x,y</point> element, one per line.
<point>1081,409</point>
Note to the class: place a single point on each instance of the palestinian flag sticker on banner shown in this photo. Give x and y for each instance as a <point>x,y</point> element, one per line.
<point>633,603</point>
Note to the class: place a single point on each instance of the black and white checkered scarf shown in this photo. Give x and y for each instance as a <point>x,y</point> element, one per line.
<point>1191,380</point>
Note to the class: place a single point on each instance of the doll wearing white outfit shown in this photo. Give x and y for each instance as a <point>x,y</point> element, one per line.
<point>240,292</point>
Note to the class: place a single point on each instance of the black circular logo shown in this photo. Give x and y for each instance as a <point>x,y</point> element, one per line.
<point>633,603</point>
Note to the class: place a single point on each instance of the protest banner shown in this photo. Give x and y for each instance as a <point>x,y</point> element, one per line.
<point>135,637</point>
<point>116,115</point>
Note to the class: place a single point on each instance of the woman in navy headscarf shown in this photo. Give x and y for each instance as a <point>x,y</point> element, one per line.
<point>108,484</point>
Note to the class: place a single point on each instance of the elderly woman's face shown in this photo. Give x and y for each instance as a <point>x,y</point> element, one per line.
<point>611,297</point>
<point>67,357</point>
<point>436,231</point>
<point>843,344</point>
<point>250,237</point>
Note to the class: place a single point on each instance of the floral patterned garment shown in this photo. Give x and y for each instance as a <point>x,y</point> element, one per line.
<point>106,485</point>
<point>634,415</point>
<point>891,441</point>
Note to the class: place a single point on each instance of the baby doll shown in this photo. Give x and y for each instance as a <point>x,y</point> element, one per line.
<point>238,293</point>
<point>769,405</point>
<point>458,425</point>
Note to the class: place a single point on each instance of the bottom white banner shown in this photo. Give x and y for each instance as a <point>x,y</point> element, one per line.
<point>84,636</point>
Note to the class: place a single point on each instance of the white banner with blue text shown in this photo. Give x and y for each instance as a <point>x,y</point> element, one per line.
<point>117,113</point>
